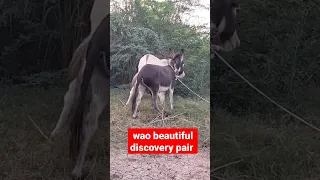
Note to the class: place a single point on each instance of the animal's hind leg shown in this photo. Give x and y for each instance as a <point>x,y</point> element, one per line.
<point>69,98</point>
<point>154,99</point>
<point>90,124</point>
<point>141,91</point>
<point>171,98</point>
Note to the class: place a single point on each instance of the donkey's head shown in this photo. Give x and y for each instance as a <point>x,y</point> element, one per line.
<point>177,64</point>
<point>223,17</point>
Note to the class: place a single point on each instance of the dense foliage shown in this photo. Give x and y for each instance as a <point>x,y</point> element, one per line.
<point>39,36</point>
<point>279,54</point>
<point>142,27</point>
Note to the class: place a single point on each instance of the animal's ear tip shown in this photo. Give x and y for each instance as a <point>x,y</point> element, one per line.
<point>182,50</point>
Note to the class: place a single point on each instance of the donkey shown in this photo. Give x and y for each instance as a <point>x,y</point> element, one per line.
<point>158,79</point>
<point>148,59</point>
<point>223,18</point>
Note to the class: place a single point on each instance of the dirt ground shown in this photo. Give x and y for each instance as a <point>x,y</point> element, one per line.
<point>157,167</point>
<point>188,113</point>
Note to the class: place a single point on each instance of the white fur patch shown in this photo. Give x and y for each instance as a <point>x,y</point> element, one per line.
<point>151,60</point>
<point>222,25</point>
<point>163,88</point>
<point>232,43</point>
<point>181,76</point>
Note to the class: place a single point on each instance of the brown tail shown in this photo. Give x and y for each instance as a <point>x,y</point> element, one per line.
<point>76,125</point>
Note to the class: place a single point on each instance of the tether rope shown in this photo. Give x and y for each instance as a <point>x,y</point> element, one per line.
<point>263,94</point>
<point>193,91</point>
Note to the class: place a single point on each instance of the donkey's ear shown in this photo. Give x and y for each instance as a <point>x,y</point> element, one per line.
<point>170,49</point>
<point>182,51</point>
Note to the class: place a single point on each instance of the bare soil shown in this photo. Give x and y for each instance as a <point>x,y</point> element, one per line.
<point>148,167</point>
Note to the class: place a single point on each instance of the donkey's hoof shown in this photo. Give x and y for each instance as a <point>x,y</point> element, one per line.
<point>53,135</point>
<point>75,175</point>
<point>134,116</point>
<point>171,112</point>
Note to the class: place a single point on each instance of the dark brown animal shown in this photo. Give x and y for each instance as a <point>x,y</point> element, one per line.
<point>159,80</point>
<point>223,18</point>
<point>149,59</point>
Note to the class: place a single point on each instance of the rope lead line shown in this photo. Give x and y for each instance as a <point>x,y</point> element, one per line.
<point>193,91</point>
<point>259,91</point>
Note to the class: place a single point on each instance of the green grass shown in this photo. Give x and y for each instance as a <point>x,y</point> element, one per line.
<point>24,152</point>
<point>269,148</point>
<point>189,112</point>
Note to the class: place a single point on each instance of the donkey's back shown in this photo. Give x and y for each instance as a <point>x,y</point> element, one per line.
<point>155,76</point>
<point>151,59</point>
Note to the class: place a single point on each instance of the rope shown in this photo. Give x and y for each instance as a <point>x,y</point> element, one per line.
<point>193,92</point>
<point>259,91</point>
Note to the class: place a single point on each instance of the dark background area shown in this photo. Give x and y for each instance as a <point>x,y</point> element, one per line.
<point>279,54</point>
<point>39,37</point>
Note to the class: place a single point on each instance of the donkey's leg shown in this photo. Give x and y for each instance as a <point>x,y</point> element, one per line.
<point>154,93</point>
<point>141,90</point>
<point>90,125</point>
<point>162,97</point>
<point>171,98</point>
<point>69,98</point>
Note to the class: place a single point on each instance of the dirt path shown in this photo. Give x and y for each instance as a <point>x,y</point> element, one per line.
<point>159,167</point>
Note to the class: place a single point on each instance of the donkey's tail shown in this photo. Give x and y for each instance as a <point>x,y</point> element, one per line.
<point>135,94</point>
<point>78,58</point>
<point>134,79</point>
<point>76,119</point>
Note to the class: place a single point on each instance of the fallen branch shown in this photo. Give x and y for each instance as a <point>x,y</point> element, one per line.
<point>167,118</point>
<point>231,163</point>
<point>121,102</point>
<point>39,129</point>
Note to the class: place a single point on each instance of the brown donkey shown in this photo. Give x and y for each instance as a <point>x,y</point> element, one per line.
<point>223,18</point>
<point>158,79</point>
